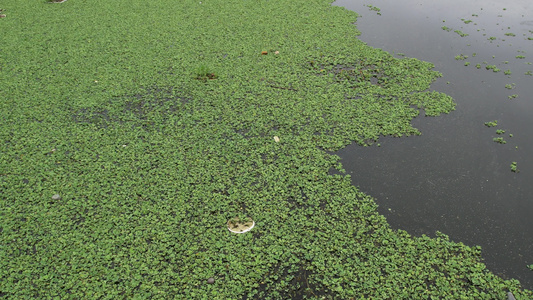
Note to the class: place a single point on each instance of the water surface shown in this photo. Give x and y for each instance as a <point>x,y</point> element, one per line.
<point>454,178</point>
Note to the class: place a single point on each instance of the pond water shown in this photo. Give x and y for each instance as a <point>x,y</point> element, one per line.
<point>454,178</point>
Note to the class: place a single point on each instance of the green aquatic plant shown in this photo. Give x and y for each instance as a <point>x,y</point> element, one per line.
<point>514,167</point>
<point>512,96</point>
<point>510,34</point>
<point>520,57</point>
<point>446,28</point>
<point>493,68</point>
<point>510,86</point>
<point>461,57</point>
<point>500,131</point>
<point>507,72</point>
<point>491,123</point>
<point>459,32</point>
<point>151,158</point>
<point>528,73</point>
<point>203,73</point>
<point>499,140</point>
<point>374,8</point>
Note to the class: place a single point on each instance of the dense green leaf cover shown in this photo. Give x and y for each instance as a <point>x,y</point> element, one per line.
<point>112,105</point>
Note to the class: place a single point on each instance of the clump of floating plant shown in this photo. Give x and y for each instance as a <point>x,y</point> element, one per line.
<point>491,123</point>
<point>493,68</point>
<point>514,167</point>
<point>499,140</point>
<point>374,8</point>
<point>203,73</point>
<point>459,32</point>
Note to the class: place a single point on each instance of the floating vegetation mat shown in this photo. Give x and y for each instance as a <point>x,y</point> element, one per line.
<point>133,130</point>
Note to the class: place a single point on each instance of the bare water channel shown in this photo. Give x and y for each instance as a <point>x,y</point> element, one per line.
<point>454,178</point>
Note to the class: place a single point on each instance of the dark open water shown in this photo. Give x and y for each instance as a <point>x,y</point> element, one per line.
<point>454,178</point>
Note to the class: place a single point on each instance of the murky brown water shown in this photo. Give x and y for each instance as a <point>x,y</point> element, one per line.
<point>454,178</point>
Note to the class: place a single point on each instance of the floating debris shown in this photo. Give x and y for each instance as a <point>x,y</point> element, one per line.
<point>236,225</point>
